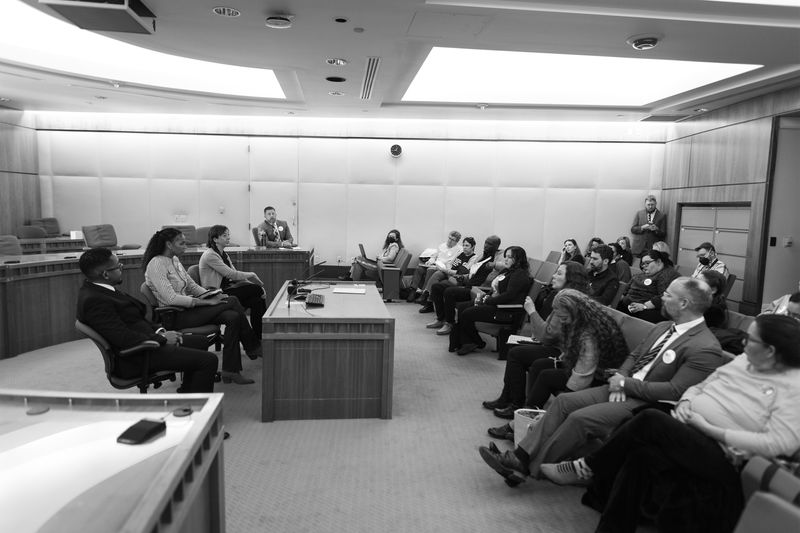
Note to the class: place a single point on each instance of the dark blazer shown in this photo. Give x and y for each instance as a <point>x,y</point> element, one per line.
<point>273,239</point>
<point>513,288</point>
<point>697,354</point>
<point>643,239</point>
<point>116,316</point>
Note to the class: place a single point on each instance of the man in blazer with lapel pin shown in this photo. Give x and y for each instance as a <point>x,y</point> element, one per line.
<point>673,357</point>
<point>274,233</point>
<point>120,319</point>
<point>649,226</point>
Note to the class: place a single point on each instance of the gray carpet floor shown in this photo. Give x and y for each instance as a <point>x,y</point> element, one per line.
<point>419,471</point>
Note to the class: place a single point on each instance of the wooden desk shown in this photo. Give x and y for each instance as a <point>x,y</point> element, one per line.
<point>38,294</point>
<point>64,471</point>
<point>335,361</point>
<point>51,245</point>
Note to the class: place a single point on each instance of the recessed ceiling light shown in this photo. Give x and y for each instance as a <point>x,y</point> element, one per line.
<point>336,61</point>
<point>223,11</point>
<point>336,93</point>
<point>504,77</point>
<point>115,84</point>
<point>336,79</point>
<point>4,99</point>
<point>279,22</point>
<point>341,20</point>
<point>482,107</point>
<point>644,42</point>
<point>358,30</point>
<point>699,109</point>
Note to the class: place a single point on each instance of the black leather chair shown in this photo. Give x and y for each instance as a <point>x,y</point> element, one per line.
<point>145,380</point>
<point>104,236</point>
<point>191,336</point>
<point>31,232</point>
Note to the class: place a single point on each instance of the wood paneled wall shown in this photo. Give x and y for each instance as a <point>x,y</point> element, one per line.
<point>20,199</point>
<point>725,156</point>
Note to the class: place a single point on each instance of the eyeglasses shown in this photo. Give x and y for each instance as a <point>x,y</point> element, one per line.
<point>645,264</point>
<point>747,338</point>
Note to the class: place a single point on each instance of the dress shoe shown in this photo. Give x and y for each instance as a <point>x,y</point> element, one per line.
<point>493,448</point>
<point>469,347</point>
<point>412,296</point>
<point>499,403</point>
<point>445,330</point>
<point>236,377</point>
<point>567,472</point>
<point>422,299</point>
<point>503,432</point>
<point>255,353</point>
<point>506,412</point>
<point>435,325</point>
<point>506,464</point>
<point>427,308</point>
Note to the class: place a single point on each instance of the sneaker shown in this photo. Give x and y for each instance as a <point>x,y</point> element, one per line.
<point>506,464</point>
<point>445,330</point>
<point>567,472</point>
<point>435,325</point>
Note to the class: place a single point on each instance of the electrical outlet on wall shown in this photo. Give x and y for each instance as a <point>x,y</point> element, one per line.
<point>338,259</point>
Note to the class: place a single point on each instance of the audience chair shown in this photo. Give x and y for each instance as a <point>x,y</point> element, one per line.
<point>729,284</point>
<point>194,273</point>
<point>767,512</point>
<point>189,232</point>
<point>104,236</point>
<point>553,257</point>
<point>545,273</point>
<point>501,332</point>
<point>391,275</point>
<point>633,329</point>
<point>739,321</point>
<point>535,265</point>
<point>31,232</point>
<point>9,245</point>
<point>201,235</point>
<point>147,378</point>
<point>623,288</point>
<point>165,315</point>
<point>50,225</point>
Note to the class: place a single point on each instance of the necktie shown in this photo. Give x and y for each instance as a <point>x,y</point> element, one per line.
<point>275,229</point>
<point>649,356</point>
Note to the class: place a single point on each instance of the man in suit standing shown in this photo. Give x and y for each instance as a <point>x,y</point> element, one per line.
<point>274,233</point>
<point>649,226</point>
<point>673,357</point>
<point>120,320</point>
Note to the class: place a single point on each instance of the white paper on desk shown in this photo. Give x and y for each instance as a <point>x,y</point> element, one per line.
<point>517,339</point>
<point>350,290</point>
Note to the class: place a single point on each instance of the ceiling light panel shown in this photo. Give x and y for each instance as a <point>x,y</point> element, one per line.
<point>31,37</point>
<point>788,3</point>
<point>501,77</point>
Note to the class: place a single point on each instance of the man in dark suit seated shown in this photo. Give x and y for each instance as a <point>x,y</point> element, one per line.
<point>120,320</point>
<point>672,358</point>
<point>274,233</point>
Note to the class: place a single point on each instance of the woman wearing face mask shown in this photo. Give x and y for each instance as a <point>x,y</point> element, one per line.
<point>368,267</point>
<point>571,252</point>
<point>680,468</point>
<point>643,299</point>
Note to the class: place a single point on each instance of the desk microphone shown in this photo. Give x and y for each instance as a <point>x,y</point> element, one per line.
<point>305,281</point>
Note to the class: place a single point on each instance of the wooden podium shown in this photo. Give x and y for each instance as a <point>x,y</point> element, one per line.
<point>335,361</point>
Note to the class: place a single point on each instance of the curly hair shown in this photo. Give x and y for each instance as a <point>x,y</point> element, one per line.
<point>576,277</point>
<point>158,243</point>
<point>588,318</point>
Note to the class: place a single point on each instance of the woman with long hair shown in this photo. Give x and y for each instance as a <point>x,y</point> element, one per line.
<point>681,468</point>
<point>571,252</point>
<point>590,342</point>
<point>511,286</point>
<point>624,243</point>
<point>369,267</point>
<point>217,272</point>
<point>171,285</point>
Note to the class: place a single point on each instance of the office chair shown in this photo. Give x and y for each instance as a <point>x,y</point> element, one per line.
<point>104,236</point>
<point>201,235</point>
<point>165,315</point>
<point>9,245</point>
<point>31,232</point>
<point>189,233</point>
<point>256,237</point>
<point>49,224</point>
<point>145,380</point>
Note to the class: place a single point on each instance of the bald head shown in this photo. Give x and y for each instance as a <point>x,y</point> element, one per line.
<point>686,299</point>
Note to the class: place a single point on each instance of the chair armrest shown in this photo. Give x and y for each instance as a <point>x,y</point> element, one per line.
<point>390,268</point>
<point>510,306</point>
<point>168,309</point>
<point>146,345</point>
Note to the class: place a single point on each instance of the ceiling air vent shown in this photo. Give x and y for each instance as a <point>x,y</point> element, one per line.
<point>664,118</point>
<point>126,16</point>
<point>369,77</point>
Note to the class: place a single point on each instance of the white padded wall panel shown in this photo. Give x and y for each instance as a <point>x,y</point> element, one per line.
<point>658,152</point>
<point>46,195</point>
<point>174,156</point>
<point>615,211</point>
<point>77,201</point>
<point>519,164</point>
<point>74,153</point>
<point>420,217</point>
<point>625,165</point>
<point>124,154</point>
<point>170,197</point>
<point>421,163</point>
<point>223,157</point>
<point>273,159</point>
<point>283,197</point>
<point>519,219</point>
<point>370,161</point>
<point>126,206</point>
<point>233,198</point>
<point>43,147</point>
<point>324,220</point>
<point>572,165</point>
<point>469,210</point>
<point>322,160</point>
<point>469,163</point>
<point>568,214</point>
<point>370,215</point>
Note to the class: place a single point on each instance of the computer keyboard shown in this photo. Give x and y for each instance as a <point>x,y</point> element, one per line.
<point>314,299</point>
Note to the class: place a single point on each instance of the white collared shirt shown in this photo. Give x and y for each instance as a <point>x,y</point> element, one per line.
<point>680,329</point>
<point>105,286</point>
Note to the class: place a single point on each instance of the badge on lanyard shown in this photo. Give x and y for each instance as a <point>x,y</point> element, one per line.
<point>668,356</point>
<point>648,282</point>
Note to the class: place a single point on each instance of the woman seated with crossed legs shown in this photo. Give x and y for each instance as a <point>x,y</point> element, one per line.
<point>172,285</point>
<point>368,267</point>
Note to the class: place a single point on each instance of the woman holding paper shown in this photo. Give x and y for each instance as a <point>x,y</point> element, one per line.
<point>172,286</point>
<point>460,266</point>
